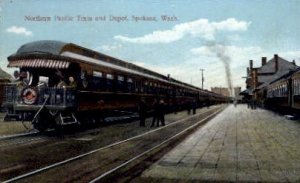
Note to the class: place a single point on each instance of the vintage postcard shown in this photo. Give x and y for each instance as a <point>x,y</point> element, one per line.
<point>149,91</point>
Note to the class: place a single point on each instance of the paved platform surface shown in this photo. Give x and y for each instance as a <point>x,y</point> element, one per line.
<point>238,145</point>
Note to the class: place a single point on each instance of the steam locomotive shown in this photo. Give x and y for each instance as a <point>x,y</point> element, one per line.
<point>102,83</point>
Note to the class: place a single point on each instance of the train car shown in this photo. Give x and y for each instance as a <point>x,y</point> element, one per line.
<point>295,98</point>
<point>4,80</point>
<point>64,84</point>
<point>284,93</point>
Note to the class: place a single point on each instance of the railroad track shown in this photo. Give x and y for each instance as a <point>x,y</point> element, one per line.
<point>5,137</point>
<point>115,157</point>
<point>23,138</point>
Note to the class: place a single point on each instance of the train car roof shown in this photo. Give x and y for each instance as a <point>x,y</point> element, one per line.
<point>41,47</point>
<point>54,48</point>
<point>287,75</point>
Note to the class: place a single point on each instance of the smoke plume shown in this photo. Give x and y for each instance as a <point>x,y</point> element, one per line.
<point>220,51</point>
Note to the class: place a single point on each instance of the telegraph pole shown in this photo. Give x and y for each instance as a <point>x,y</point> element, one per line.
<point>202,76</point>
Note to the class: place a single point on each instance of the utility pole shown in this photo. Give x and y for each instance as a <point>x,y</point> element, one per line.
<point>202,76</point>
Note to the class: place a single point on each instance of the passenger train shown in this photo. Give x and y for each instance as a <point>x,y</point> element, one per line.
<point>284,92</point>
<point>102,83</point>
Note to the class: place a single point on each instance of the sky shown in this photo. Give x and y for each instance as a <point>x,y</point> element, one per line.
<point>213,35</point>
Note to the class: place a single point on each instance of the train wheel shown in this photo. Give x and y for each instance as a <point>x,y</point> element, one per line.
<point>40,123</point>
<point>43,121</point>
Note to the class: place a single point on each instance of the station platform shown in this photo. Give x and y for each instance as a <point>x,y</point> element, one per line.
<point>238,145</point>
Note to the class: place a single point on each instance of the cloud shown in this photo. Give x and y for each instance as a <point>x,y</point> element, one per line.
<point>201,28</point>
<point>108,48</point>
<point>19,30</point>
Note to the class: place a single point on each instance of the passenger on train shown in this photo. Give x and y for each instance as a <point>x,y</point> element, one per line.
<point>16,77</point>
<point>61,83</point>
<point>72,82</point>
<point>20,83</point>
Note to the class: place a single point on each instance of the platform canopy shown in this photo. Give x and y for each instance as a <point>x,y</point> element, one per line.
<point>40,63</point>
<point>247,92</point>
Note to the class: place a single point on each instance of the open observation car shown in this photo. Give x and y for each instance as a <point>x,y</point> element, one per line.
<point>102,83</point>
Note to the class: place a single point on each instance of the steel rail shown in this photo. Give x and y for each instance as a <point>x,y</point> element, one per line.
<point>26,175</point>
<point>151,149</point>
<point>5,137</point>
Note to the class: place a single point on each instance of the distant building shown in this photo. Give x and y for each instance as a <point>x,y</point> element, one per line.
<point>237,91</point>
<point>225,92</point>
<point>221,90</point>
<point>260,77</point>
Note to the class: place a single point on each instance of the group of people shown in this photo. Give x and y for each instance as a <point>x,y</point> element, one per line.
<point>21,81</point>
<point>192,107</point>
<point>158,112</point>
<point>72,83</point>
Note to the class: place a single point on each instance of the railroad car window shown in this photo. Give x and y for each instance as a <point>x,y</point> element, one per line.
<point>109,82</point>
<point>298,87</point>
<point>150,89</point>
<point>130,86</point>
<point>120,83</point>
<point>83,77</point>
<point>141,86</point>
<point>97,80</point>
<point>43,81</point>
<point>145,87</point>
<point>97,74</point>
<point>120,78</point>
<point>109,76</point>
<point>295,83</point>
<point>298,81</point>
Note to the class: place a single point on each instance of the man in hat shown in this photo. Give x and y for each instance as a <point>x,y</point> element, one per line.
<point>72,82</point>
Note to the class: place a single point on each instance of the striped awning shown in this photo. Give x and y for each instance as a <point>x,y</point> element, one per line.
<point>40,63</point>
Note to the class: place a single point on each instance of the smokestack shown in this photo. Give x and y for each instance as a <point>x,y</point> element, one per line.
<point>263,61</point>
<point>294,63</point>
<point>276,62</point>
<point>251,64</point>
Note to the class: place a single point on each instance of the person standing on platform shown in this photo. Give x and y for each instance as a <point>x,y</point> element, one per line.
<point>155,112</point>
<point>142,112</point>
<point>189,107</point>
<point>194,106</point>
<point>161,113</point>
